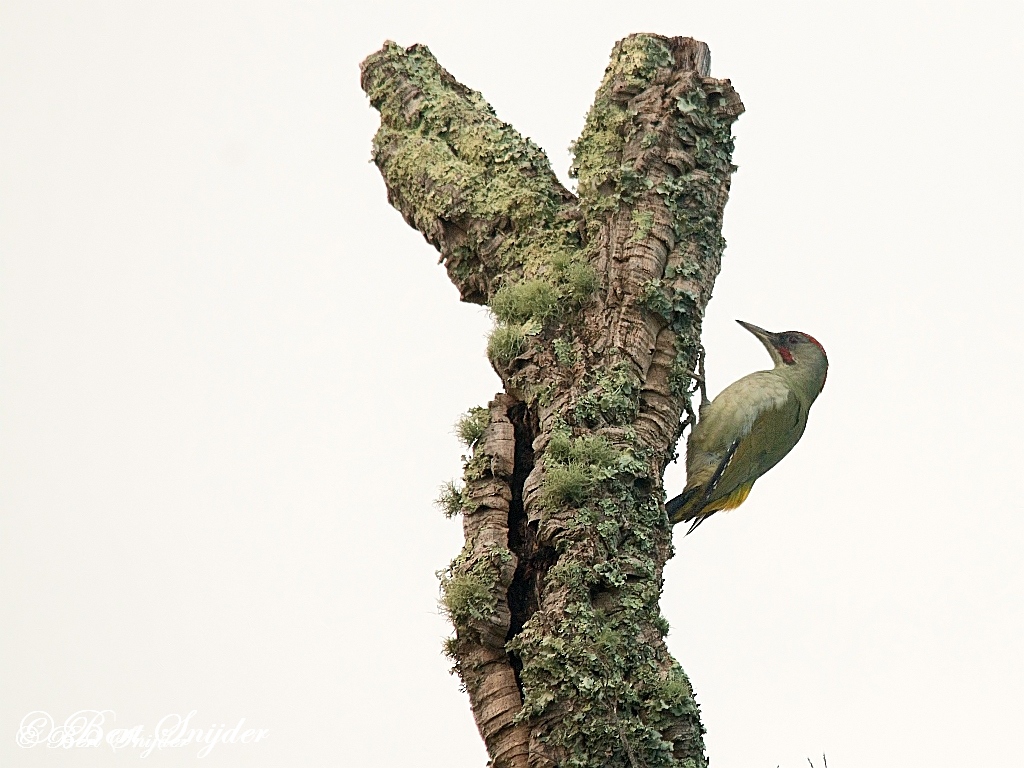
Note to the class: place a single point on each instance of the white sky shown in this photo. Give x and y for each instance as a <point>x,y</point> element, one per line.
<point>229,370</point>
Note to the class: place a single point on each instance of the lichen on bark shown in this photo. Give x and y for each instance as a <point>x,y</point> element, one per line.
<point>598,300</point>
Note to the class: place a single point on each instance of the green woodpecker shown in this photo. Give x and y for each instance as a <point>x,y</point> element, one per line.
<point>749,427</point>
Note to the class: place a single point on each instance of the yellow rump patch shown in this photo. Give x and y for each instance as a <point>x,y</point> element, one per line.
<point>731,501</point>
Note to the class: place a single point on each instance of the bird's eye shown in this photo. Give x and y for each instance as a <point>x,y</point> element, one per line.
<point>794,340</point>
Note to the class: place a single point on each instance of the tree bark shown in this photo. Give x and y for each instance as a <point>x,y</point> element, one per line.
<point>598,300</point>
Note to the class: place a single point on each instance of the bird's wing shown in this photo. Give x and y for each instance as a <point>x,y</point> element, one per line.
<point>760,412</point>
<point>772,435</point>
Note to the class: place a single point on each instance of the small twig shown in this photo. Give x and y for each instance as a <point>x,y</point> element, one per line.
<point>697,376</point>
<point>691,417</point>
<point>701,378</point>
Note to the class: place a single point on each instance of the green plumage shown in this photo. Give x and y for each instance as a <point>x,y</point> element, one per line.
<point>750,427</point>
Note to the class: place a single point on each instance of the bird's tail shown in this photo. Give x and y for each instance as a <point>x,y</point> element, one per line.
<point>693,502</point>
<point>687,506</point>
<point>681,508</point>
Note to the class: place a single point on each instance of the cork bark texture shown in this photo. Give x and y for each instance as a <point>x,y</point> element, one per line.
<point>598,299</point>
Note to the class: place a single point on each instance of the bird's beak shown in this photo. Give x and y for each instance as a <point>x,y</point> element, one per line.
<point>761,333</point>
<point>767,338</point>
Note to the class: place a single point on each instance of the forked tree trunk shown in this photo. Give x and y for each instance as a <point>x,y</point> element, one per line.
<point>598,299</point>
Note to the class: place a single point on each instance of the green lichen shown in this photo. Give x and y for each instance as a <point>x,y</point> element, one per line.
<point>637,59</point>
<point>507,342</point>
<point>567,484</point>
<point>701,127</point>
<point>475,466</point>
<point>496,171</point>
<point>566,283</point>
<point>653,296</point>
<point>596,156</point>
<point>529,299</point>
<point>612,396</point>
<point>565,353</point>
<point>451,500</point>
<point>573,466</point>
<point>644,223</point>
<point>681,375</point>
<point>604,182</point>
<point>448,159</point>
<point>588,450</point>
<point>467,596</point>
<point>450,648</point>
<point>617,685</point>
<point>539,393</point>
<point>471,425</point>
<point>576,279</point>
<point>694,200</point>
<point>676,694</point>
<point>470,589</point>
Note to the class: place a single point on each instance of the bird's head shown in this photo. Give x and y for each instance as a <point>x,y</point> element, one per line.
<point>792,350</point>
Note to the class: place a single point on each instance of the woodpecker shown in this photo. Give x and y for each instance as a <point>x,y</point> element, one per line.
<point>750,426</point>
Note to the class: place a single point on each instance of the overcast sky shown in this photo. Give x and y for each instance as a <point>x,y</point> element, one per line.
<point>229,373</point>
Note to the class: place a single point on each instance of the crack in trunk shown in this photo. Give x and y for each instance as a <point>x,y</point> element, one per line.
<point>534,557</point>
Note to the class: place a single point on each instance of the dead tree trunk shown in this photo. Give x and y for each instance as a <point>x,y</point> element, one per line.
<point>598,300</point>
